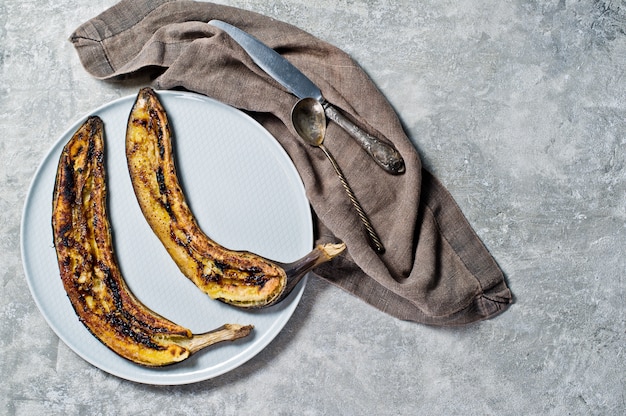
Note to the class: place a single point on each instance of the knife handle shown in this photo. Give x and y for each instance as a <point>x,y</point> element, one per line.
<point>383,153</point>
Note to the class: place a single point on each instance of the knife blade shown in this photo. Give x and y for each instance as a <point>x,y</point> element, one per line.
<point>290,77</point>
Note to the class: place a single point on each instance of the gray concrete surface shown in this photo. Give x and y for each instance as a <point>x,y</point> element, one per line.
<point>517,106</point>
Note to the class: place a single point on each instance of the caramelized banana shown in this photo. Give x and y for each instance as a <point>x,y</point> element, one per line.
<point>90,272</point>
<point>239,278</point>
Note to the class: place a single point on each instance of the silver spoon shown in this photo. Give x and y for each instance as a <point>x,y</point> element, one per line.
<point>309,120</point>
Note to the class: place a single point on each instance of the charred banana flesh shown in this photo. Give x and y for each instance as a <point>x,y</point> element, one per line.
<point>90,272</point>
<point>239,278</point>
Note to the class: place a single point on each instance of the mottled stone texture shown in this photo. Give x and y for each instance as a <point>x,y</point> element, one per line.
<point>517,106</point>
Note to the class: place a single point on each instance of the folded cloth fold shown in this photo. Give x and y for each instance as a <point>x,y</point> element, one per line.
<point>435,269</point>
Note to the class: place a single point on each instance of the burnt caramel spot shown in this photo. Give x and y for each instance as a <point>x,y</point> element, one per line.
<point>140,122</point>
<point>220,265</point>
<point>125,328</point>
<point>212,278</point>
<point>251,276</point>
<point>160,177</point>
<point>256,280</point>
<point>91,146</point>
<point>154,116</point>
<point>64,238</point>
<point>182,243</point>
<point>68,184</point>
<point>254,270</point>
<point>113,286</point>
<point>100,156</point>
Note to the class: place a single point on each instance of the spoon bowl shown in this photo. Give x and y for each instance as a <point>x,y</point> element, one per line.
<point>309,120</point>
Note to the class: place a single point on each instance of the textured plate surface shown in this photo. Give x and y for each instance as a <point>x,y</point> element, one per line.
<point>246,194</point>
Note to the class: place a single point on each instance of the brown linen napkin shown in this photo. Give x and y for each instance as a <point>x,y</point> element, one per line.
<point>435,269</point>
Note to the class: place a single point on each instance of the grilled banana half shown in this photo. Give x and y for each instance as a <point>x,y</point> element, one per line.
<point>239,278</point>
<point>90,272</point>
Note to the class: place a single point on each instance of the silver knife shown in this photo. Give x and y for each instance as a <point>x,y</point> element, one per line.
<point>299,85</point>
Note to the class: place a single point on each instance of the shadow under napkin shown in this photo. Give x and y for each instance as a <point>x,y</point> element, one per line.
<point>435,269</point>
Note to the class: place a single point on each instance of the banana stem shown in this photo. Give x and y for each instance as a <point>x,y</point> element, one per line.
<point>297,270</point>
<point>227,332</point>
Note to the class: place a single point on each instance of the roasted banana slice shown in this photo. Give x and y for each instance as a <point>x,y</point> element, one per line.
<point>239,278</point>
<point>90,272</point>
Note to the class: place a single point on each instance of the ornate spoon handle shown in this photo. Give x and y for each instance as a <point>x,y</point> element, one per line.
<point>371,233</point>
